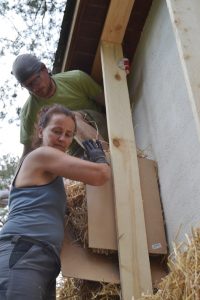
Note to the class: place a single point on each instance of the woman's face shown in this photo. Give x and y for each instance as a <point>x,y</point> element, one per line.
<point>59,132</point>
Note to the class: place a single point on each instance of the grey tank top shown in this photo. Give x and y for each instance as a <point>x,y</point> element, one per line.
<point>37,212</point>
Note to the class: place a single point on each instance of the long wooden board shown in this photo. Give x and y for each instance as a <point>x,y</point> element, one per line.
<point>64,62</point>
<point>131,234</point>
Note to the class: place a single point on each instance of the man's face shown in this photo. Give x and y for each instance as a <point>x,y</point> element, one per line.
<point>39,84</point>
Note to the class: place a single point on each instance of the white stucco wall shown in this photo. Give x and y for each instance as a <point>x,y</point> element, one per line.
<point>163,121</point>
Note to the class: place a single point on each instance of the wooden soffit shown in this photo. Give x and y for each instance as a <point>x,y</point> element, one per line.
<point>117,21</point>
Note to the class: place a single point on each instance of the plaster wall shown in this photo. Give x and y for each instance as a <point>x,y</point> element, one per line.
<point>163,122</point>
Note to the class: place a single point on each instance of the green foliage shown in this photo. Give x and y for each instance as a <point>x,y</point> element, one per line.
<point>8,165</point>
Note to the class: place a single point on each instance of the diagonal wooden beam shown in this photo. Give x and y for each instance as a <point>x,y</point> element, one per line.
<point>114,29</point>
<point>135,275</point>
<point>116,20</point>
<point>70,36</point>
<point>185,19</point>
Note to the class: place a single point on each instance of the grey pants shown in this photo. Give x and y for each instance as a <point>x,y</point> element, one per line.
<point>27,271</point>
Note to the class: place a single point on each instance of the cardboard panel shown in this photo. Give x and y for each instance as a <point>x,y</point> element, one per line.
<point>78,262</point>
<point>152,207</point>
<point>101,212</point>
<point>101,217</point>
<point>158,270</point>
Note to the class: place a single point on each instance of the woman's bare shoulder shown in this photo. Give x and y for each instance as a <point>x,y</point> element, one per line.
<point>36,168</point>
<point>42,158</point>
<point>44,152</point>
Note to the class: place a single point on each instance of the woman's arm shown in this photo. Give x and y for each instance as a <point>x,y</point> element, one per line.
<point>47,160</point>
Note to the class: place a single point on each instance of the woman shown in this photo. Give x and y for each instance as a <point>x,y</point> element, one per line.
<point>31,239</point>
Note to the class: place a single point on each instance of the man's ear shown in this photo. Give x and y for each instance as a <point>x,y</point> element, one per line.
<point>40,133</point>
<point>44,68</point>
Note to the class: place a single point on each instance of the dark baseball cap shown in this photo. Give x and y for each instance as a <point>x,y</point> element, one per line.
<point>25,65</point>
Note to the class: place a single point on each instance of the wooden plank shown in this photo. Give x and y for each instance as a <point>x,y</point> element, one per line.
<point>70,36</point>
<point>185,19</point>
<point>116,20</point>
<point>96,72</point>
<point>114,29</point>
<point>131,234</point>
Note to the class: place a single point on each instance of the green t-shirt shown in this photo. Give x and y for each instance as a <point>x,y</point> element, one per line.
<point>74,89</point>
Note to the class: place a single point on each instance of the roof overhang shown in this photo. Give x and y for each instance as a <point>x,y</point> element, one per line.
<point>86,23</point>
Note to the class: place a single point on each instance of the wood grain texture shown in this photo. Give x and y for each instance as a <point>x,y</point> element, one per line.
<point>131,234</point>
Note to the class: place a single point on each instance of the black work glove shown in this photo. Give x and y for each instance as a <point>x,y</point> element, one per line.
<point>94,151</point>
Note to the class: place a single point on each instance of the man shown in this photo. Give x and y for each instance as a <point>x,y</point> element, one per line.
<point>73,89</point>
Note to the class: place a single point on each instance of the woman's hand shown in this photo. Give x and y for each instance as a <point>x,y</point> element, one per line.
<point>94,151</point>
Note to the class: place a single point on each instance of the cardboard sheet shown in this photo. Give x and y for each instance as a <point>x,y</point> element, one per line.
<point>101,216</point>
<point>152,207</point>
<point>101,212</point>
<point>158,270</point>
<point>78,262</point>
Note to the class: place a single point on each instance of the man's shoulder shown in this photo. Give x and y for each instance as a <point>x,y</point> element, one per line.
<point>68,74</point>
<point>71,76</point>
<point>28,106</point>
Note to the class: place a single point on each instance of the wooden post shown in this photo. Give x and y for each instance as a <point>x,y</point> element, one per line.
<point>135,275</point>
<point>186,24</point>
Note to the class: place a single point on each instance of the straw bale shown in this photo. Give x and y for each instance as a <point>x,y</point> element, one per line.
<point>183,280</point>
<point>77,220</point>
<point>77,289</point>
